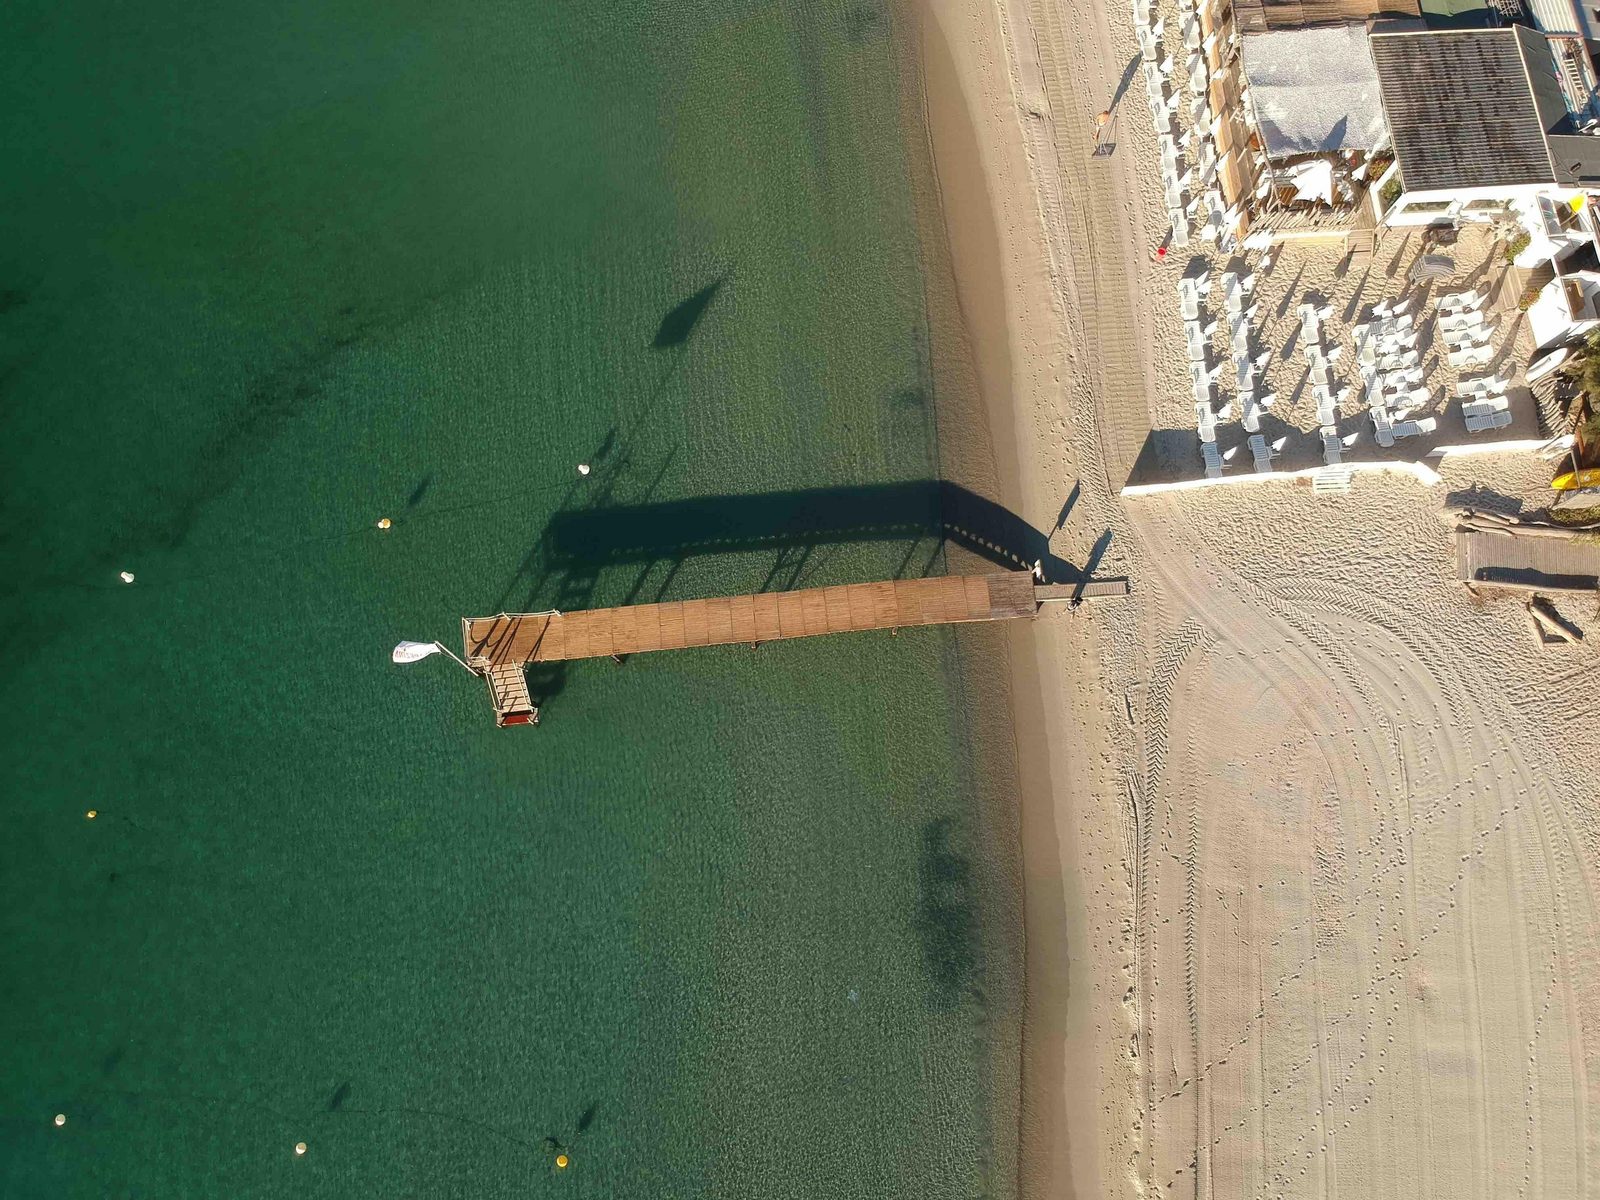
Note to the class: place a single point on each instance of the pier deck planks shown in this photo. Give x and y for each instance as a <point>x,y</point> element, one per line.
<point>734,620</point>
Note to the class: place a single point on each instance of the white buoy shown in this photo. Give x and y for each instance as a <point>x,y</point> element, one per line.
<point>299,1147</point>
<point>125,576</point>
<point>583,468</point>
<point>61,1119</point>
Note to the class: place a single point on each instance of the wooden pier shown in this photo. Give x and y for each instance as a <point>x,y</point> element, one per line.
<point>499,647</point>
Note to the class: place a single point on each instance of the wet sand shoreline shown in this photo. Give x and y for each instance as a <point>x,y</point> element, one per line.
<point>987,396</point>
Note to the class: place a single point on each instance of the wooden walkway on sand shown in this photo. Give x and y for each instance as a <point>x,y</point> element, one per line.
<point>524,638</point>
<point>1526,561</point>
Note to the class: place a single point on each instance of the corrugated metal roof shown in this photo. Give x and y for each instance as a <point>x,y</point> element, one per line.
<point>1314,89</point>
<point>1460,109</point>
<point>1558,17</point>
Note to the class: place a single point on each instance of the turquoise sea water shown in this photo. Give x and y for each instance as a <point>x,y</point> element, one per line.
<point>721,925</point>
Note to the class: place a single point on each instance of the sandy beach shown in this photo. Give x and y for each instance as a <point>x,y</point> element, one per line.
<point>1308,834</point>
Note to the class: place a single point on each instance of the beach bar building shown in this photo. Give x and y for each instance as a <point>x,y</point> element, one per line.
<point>1502,125</point>
<point>1485,122</point>
<point>1312,102</point>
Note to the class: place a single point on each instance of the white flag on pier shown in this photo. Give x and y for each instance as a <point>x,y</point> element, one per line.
<point>410,652</point>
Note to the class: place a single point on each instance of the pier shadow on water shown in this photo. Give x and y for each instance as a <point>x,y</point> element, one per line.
<point>921,509</point>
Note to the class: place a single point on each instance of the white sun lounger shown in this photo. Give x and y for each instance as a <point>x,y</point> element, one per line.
<point>1471,356</point>
<point>1461,339</point>
<point>1458,300</point>
<point>1484,409</point>
<point>1380,425</point>
<point>1330,445</point>
<point>1461,318</point>
<point>1258,451</point>
<point>1212,457</point>
<point>1484,385</point>
<point>1404,429</point>
<point>1410,395</point>
<point>1189,298</point>
<point>1244,376</point>
<point>1250,411</point>
<point>1471,325</point>
<point>1398,361</point>
<point>1376,396</point>
<point>1327,406</point>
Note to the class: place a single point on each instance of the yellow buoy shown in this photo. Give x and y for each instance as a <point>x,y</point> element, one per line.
<point>61,1119</point>
<point>561,1162</point>
<point>384,522</point>
<point>299,1147</point>
<point>92,814</point>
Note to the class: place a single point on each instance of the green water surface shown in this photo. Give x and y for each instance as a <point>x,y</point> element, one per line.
<point>271,272</point>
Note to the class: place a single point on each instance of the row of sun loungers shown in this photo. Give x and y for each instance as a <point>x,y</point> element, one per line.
<point>1466,332</point>
<point>1391,372</point>
<point>1236,291</point>
<point>1197,333</point>
<point>1484,406</point>
<point>1319,369</point>
<point>1189,161</point>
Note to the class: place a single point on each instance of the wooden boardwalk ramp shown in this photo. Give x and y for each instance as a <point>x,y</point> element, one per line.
<point>732,620</point>
<point>499,647</point>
